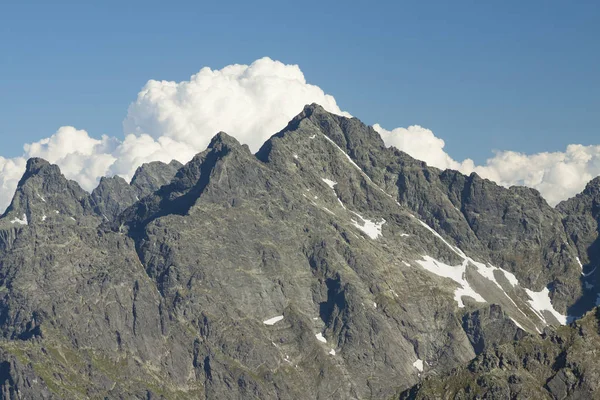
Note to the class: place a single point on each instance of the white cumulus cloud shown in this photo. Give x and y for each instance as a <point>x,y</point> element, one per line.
<point>175,120</point>
<point>80,157</point>
<point>422,144</point>
<point>249,102</point>
<point>11,170</point>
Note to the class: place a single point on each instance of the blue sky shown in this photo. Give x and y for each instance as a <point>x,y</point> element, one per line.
<point>518,76</point>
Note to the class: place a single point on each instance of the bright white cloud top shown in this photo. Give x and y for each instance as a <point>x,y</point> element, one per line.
<point>251,102</point>
<point>175,120</point>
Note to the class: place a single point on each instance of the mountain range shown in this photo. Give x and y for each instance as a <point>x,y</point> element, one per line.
<point>326,265</point>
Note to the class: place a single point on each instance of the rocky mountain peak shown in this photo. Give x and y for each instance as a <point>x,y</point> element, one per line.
<point>326,265</point>
<point>188,183</point>
<point>586,200</point>
<point>312,110</point>
<point>112,196</point>
<point>44,194</point>
<point>41,168</point>
<point>593,187</point>
<point>349,133</point>
<point>175,164</point>
<point>308,111</point>
<point>223,141</point>
<point>34,164</point>
<point>149,177</point>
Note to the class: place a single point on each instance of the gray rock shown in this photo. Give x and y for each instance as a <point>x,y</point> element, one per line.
<point>114,195</point>
<point>489,327</point>
<point>324,228</point>
<point>556,365</point>
<point>151,176</point>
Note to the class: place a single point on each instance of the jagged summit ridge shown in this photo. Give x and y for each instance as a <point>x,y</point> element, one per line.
<point>324,265</point>
<point>350,137</point>
<point>44,195</point>
<point>223,140</point>
<point>34,165</point>
<point>364,149</point>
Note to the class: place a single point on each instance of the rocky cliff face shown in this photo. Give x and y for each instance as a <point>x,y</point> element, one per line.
<point>324,266</point>
<point>559,364</point>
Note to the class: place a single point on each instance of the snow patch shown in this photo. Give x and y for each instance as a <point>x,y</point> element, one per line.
<point>540,301</point>
<point>457,274</point>
<point>332,184</point>
<point>418,365</point>
<point>581,267</point>
<point>484,270</point>
<point>20,221</point>
<point>320,337</point>
<point>349,159</point>
<point>332,352</point>
<point>404,235</point>
<point>274,320</point>
<point>313,136</point>
<point>44,218</point>
<point>453,248</point>
<point>371,228</point>
<point>296,156</point>
<point>512,279</point>
<point>488,272</point>
<point>328,210</point>
<point>517,324</point>
<point>329,182</point>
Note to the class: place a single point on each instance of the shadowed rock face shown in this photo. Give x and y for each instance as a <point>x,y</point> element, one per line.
<point>324,266</point>
<point>581,222</point>
<point>113,195</point>
<point>151,176</point>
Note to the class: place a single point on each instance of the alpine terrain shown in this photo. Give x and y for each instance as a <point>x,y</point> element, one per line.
<point>325,266</point>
